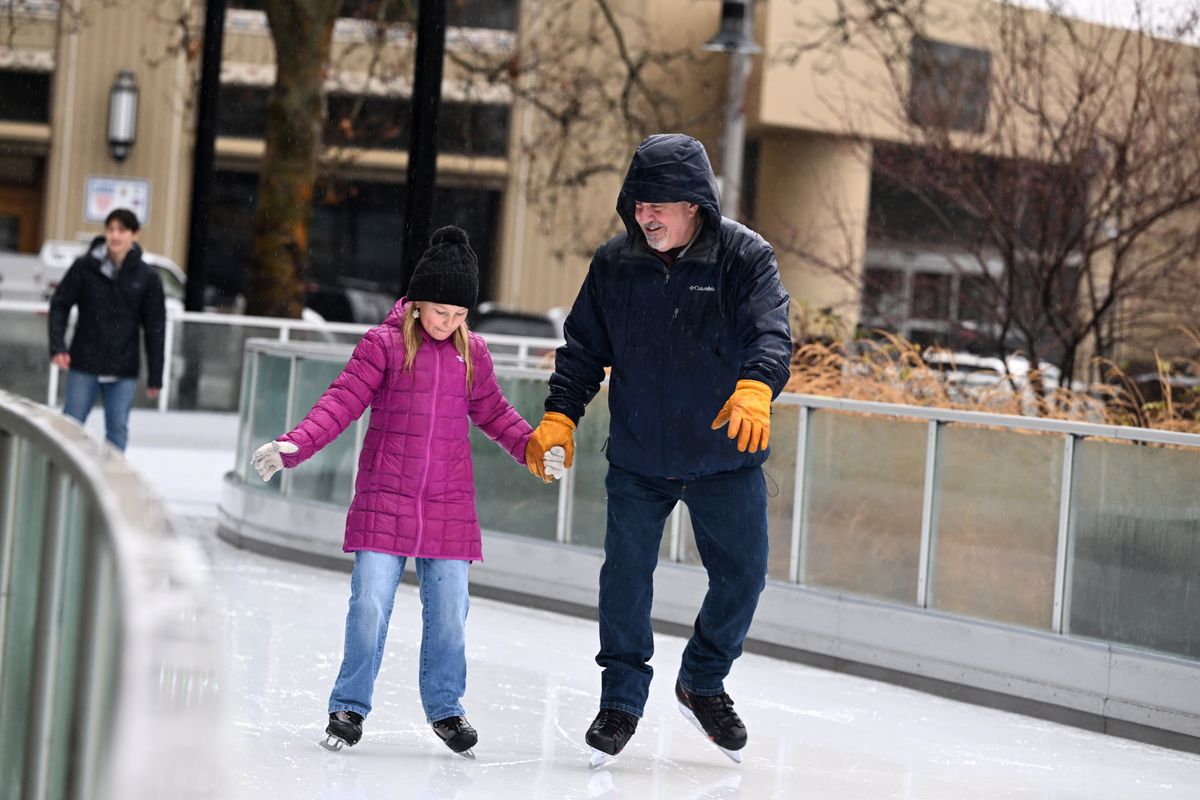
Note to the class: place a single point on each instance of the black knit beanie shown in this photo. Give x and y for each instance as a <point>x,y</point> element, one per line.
<point>448,271</point>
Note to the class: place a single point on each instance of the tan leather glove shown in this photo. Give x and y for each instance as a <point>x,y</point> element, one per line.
<point>748,412</point>
<point>555,430</point>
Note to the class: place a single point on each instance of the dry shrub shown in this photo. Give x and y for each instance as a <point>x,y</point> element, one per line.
<point>891,370</point>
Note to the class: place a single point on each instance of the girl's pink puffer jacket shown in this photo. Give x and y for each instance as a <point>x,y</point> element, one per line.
<point>415,490</point>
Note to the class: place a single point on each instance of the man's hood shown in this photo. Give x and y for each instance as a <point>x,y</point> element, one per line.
<point>667,168</point>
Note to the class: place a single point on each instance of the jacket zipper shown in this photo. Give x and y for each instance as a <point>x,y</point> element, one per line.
<point>437,379</point>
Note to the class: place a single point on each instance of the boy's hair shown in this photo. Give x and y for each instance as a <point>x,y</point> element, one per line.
<point>127,219</point>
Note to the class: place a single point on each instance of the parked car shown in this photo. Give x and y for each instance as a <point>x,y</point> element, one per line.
<point>492,317</point>
<point>969,375</point>
<point>34,278</point>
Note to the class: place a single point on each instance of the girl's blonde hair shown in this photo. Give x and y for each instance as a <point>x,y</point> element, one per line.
<point>412,341</point>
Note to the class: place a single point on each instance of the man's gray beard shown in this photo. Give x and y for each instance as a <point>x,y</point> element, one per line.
<point>662,248</point>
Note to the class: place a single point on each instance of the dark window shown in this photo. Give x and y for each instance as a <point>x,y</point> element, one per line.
<point>10,234</point>
<point>931,295</point>
<point>883,296</point>
<point>495,14</point>
<point>473,129</point>
<point>370,122</point>
<point>975,299</point>
<point>374,122</point>
<point>355,232</point>
<point>948,86</point>
<point>242,111</point>
<point>26,96</point>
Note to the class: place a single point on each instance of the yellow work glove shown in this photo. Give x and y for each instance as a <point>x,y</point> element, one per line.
<point>555,430</point>
<point>748,412</point>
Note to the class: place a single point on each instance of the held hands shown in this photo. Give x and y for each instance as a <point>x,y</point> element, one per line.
<point>748,412</point>
<point>555,430</point>
<point>554,462</point>
<point>266,459</point>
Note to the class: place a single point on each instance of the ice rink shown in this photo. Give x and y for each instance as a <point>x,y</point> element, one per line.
<point>533,689</point>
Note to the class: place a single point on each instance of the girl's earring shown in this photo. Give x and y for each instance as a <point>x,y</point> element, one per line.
<point>416,313</point>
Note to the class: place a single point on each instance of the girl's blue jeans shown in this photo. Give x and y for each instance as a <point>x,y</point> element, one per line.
<point>444,604</point>
<point>729,517</point>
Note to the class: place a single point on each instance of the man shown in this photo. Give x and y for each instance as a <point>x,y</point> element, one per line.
<point>688,310</point>
<point>118,297</point>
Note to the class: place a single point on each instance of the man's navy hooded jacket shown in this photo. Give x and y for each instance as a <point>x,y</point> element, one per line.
<point>678,339</point>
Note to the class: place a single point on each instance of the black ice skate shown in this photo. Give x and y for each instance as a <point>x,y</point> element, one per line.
<point>458,735</point>
<point>611,730</point>
<point>715,718</point>
<point>344,728</point>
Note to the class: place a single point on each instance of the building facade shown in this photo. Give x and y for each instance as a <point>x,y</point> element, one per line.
<point>833,118</point>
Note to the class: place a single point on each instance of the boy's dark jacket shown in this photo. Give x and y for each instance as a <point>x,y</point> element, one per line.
<point>111,311</point>
<point>677,339</point>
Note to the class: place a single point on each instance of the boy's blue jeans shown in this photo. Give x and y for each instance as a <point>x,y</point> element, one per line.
<point>82,388</point>
<point>729,516</point>
<point>444,604</point>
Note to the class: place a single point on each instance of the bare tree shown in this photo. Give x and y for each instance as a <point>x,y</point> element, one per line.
<point>1066,155</point>
<point>302,31</point>
<point>578,68</point>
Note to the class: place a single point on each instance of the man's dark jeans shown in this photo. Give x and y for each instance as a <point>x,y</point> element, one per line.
<point>729,516</point>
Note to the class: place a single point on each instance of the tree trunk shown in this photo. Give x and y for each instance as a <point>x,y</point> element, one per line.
<point>302,31</point>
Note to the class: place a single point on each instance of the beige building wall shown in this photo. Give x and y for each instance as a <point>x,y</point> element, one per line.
<point>89,54</point>
<point>810,116</point>
<point>812,206</point>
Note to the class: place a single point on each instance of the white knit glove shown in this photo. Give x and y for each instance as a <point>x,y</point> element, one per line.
<point>555,462</point>
<point>266,458</point>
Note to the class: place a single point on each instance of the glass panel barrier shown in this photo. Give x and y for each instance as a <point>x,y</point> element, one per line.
<point>997,526</point>
<point>25,354</point>
<point>1135,570</point>
<point>507,497</point>
<point>779,472</point>
<point>268,418</point>
<point>206,365</point>
<point>863,504</point>
<point>16,677</point>
<point>589,508</point>
<point>71,611</point>
<point>328,476</point>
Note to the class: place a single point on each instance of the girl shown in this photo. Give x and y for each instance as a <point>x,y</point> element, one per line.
<point>426,378</point>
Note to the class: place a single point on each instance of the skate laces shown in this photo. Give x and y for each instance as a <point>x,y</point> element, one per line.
<point>613,721</point>
<point>719,708</point>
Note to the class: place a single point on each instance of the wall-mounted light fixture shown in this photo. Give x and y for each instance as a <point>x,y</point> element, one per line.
<point>122,115</point>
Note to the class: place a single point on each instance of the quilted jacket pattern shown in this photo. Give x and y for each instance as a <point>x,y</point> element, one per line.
<point>415,490</point>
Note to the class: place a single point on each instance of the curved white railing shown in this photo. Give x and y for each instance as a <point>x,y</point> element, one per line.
<point>108,635</point>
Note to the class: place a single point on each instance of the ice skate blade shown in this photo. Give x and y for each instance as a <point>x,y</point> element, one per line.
<point>733,755</point>
<point>468,754</point>
<point>331,743</point>
<point>599,759</point>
